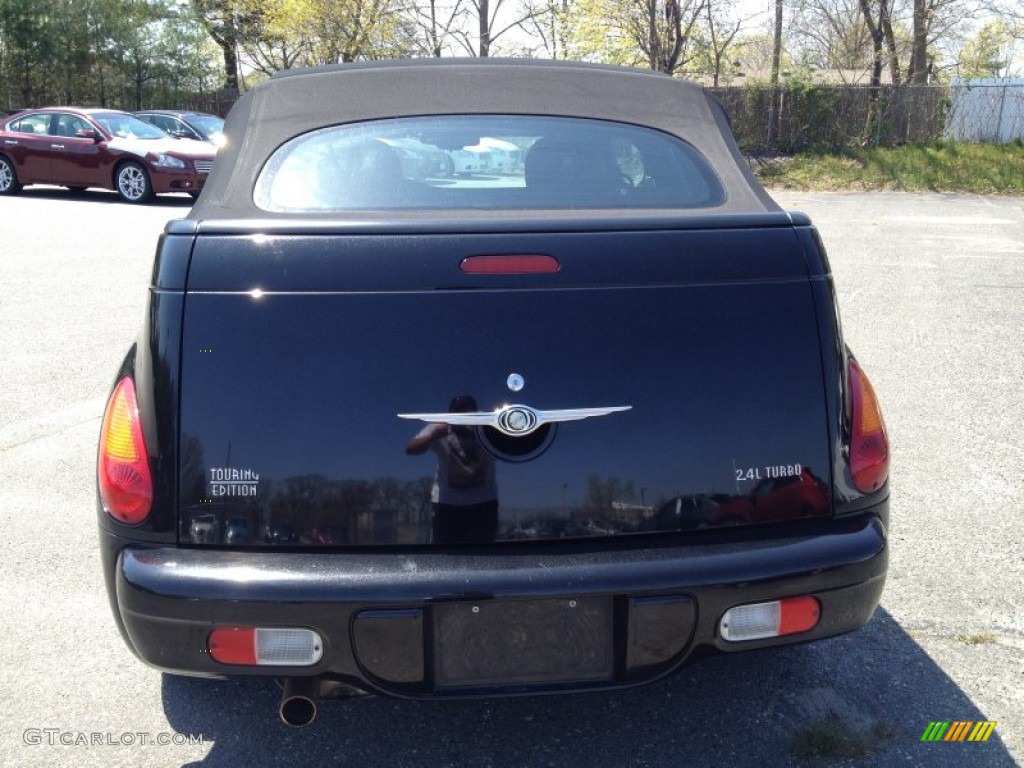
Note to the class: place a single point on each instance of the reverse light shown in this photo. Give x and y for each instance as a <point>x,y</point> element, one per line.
<point>265,646</point>
<point>125,482</point>
<point>775,619</point>
<point>869,444</point>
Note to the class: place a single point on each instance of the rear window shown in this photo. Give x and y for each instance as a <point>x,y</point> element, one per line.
<point>487,163</point>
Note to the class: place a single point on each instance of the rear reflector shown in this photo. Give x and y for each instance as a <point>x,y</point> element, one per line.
<point>869,444</point>
<point>510,264</point>
<point>125,482</point>
<point>265,646</point>
<point>779,617</point>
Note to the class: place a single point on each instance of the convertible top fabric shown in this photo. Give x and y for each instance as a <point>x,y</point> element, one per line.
<point>296,102</point>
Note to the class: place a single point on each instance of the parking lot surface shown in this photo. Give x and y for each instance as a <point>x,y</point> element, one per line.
<point>932,293</point>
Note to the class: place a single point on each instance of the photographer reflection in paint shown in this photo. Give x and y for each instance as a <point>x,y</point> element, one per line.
<point>465,494</point>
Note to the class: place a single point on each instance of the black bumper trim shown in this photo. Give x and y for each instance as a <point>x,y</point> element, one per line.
<point>274,577</point>
<point>170,598</point>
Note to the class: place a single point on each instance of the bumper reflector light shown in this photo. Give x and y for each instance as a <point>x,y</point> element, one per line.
<point>265,646</point>
<point>760,620</point>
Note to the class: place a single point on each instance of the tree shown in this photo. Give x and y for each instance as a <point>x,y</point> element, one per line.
<point>486,14</point>
<point>602,492</point>
<point>30,46</point>
<point>114,53</point>
<point>988,53</point>
<point>437,24</point>
<point>138,34</point>
<point>653,33</point>
<point>776,44</point>
<point>337,31</point>
<point>546,22</point>
<point>831,35</point>
<point>224,20</point>
<point>936,24</point>
<point>718,35</point>
<point>754,53</point>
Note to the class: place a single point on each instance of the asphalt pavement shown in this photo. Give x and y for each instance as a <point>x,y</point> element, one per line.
<point>931,290</point>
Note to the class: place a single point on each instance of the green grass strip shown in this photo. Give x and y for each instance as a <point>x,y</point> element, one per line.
<point>945,167</point>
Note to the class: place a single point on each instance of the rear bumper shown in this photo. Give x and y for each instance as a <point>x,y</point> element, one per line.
<point>394,622</point>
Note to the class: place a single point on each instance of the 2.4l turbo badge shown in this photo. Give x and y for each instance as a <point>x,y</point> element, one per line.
<point>768,472</point>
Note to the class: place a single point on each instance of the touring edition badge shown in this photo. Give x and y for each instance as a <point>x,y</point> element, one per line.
<point>229,481</point>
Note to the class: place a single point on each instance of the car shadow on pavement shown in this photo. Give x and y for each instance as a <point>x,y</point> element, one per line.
<point>103,197</point>
<point>862,699</point>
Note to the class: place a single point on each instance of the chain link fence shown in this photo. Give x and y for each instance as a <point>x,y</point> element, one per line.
<point>789,119</point>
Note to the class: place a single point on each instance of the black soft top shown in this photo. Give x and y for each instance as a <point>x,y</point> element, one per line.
<point>294,102</point>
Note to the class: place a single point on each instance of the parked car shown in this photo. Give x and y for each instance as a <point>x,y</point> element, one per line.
<point>81,148</point>
<point>198,126</point>
<point>336,340</point>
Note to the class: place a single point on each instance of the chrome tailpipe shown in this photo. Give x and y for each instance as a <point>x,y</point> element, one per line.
<point>299,701</point>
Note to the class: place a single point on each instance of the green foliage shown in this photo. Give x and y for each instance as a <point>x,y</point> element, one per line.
<point>939,167</point>
<point>988,53</point>
<point>648,33</point>
<point>118,53</point>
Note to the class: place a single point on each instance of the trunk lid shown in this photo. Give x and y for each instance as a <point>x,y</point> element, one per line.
<point>302,350</point>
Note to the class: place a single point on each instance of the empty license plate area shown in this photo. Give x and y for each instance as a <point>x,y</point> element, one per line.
<point>522,642</point>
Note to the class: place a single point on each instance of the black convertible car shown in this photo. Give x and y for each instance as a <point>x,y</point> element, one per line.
<point>566,425</point>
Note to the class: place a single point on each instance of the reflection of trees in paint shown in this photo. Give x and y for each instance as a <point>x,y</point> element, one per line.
<point>329,511</point>
<point>603,494</point>
<point>193,471</point>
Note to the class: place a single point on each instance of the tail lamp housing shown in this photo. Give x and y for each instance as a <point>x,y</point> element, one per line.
<point>757,621</point>
<point>869,444</point>
<point>123,473</point>
<point>265,646</point>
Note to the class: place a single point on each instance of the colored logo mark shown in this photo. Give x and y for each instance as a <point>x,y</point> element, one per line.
<point>958,730</point>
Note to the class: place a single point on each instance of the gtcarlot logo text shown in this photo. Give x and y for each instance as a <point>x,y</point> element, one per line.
<point>57,737</point>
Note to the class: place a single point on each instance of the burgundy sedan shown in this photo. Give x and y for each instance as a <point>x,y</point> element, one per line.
<point>80,148</point>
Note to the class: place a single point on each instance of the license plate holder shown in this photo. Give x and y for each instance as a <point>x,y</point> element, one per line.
<point>522,642</point>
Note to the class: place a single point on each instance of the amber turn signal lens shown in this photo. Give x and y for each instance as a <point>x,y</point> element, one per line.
<point>125,482</point>
<point>869,444</point>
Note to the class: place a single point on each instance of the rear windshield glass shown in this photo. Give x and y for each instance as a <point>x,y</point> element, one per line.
<point>485,162</point>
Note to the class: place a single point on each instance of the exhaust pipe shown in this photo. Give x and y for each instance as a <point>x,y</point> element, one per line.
<point>299,701</point>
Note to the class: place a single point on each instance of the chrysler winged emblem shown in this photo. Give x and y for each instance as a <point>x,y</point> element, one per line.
<point>514,420</point>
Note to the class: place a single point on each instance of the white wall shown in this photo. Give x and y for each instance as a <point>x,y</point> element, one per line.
<point>989,110</point>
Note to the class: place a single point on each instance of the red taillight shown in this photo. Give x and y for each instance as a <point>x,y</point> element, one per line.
<point>869,446</point>
<point>510,264</point>
<point>757,621</point>
<point>798,614</point>
<point>233,645</point>
<point>266,646</point>
<point>126,485</point>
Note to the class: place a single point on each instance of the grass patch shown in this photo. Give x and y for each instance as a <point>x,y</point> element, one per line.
<point>983,638</point>
<point>831,738</point>
<point>944,167</point>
